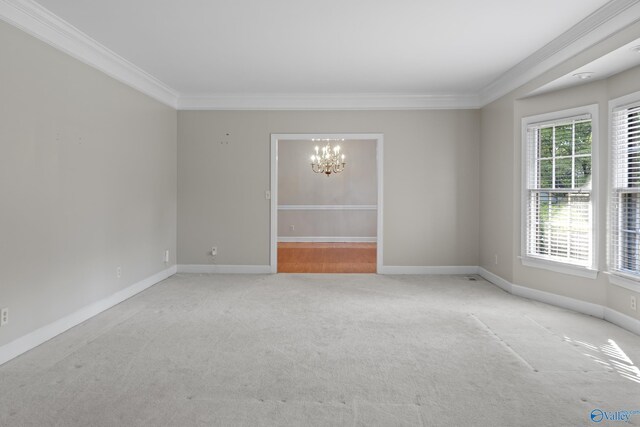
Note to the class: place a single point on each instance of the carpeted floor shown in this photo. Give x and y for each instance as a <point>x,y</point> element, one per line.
<point>326,350</point>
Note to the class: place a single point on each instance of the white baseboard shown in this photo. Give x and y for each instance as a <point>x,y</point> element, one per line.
<point>39,336</point>
<point>584,307</point>
<point>328,239</point>
<point>33,339</point>
<point>622,320</point>
<point>454,269</point>
<point>495,279</point>
<point>224,269</point>
<point>579,306</point>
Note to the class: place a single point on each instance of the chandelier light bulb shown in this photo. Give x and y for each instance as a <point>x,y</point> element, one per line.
<point>329,161</point>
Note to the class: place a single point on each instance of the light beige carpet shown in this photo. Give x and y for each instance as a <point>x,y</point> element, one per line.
<point>326,350</point>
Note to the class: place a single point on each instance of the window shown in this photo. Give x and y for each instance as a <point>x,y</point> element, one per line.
<point>624,217</point>
<point>558,189</point>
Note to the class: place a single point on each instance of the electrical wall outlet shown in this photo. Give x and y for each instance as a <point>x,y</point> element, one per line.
<point>496,259</point>
<point>292,228</point>
<point>214,251</point>
<point>4,316</point>
<point>166,256</point>
<point>118,272</point>
<point>634,305</point>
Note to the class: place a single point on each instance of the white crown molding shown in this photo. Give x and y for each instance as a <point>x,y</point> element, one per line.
<point>33,339</point>
<point>41,23</point>
<point>34,19</point>
<point>328,102</point>
<point>604,22</point>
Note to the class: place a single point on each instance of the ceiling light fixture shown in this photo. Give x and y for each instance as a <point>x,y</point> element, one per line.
<point>585,75</point>
<point>329,161</point>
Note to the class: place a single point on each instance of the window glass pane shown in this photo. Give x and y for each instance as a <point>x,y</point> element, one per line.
<point>562,225</point>
<point>559,218</point>
<point>583,138</point>
<point>541,206</point>
<point>630,233</point>
<point>545,173</point>
<point>564,140</point>
<point>564,173</point>
<point>633,165</point>
<point>546,142</point>
<point>579,234</point>
<point>625,200</point>
<point>583,172</point>
<point>559,223</point>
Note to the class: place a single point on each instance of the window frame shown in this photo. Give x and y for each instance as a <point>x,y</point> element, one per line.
<point>616,277</point>
<point>591,270</point>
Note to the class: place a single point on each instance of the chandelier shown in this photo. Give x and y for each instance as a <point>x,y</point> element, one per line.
<point>330,160</point>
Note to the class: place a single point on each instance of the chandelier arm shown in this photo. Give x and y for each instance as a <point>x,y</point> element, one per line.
<point>329,161</point>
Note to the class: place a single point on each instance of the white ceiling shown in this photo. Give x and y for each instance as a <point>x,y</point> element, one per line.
<point>623,58</point>
<point>322,54</point>
<point>323,46</point>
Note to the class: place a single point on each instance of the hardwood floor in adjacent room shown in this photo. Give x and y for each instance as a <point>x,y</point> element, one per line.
<point>326,257</point>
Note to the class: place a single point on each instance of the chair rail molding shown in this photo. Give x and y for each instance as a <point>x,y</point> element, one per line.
<point>327,207</point>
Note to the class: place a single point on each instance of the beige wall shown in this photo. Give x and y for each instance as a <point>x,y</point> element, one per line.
<point>501,214</point>
<point>572,286</point>
<point>592,290</point>
<point>299,185</point>
<point>430,184</point>
<point>87,183</point>
<point>95,175</point>
<point>496,191</point>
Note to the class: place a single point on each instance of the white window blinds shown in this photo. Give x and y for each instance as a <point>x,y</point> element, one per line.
<point>558,191</point>
<point>625,193</point>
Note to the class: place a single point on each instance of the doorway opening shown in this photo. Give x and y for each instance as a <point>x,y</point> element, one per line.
<point>326,224</point>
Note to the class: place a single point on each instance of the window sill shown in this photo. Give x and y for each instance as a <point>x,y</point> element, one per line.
<point>626,282</point>
<point>558,267</point>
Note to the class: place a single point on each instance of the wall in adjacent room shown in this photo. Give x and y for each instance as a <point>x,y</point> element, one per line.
<point>431,182</point>
<point>303,195</point>
<point>87,183</point>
